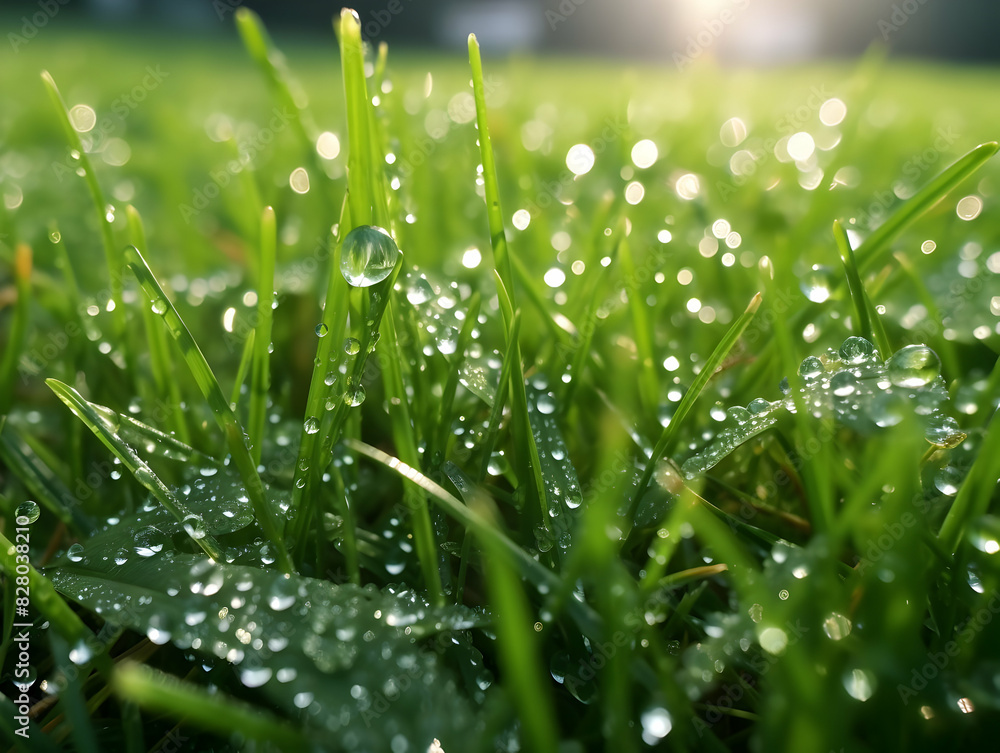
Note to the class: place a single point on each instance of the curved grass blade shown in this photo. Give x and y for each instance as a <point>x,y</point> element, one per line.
<point>876,245</point>
<point>210,388</point>
<point>688,401</point>
<point>158,691</point>
<point>473,520</point>
<point>104,424</point>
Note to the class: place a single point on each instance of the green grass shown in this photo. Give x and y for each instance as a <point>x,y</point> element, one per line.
<point>509,496</point>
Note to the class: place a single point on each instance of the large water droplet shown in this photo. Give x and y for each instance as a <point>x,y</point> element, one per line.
<point>159,306</point>
<point>75,553</point>
<point>817,283</point>
<point>321,330</point>
<point>369,255</point>
<point>27,512</point>
<point>836,626</point>
<point>913,366</point>
<point>149,541</point>
<point>856,350</point>
<point>255,677</point>
<point>311,425</point>
<point>81,652</point>
<point>351,346</point>
<point>354,397</point>
<point>811,366</point>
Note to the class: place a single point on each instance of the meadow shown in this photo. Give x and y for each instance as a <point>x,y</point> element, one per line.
<point>365,399</point>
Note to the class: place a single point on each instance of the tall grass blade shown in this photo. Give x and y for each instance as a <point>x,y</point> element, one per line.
<point>210,388</point>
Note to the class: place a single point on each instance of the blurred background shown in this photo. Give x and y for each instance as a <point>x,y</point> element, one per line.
<point>754,32</point>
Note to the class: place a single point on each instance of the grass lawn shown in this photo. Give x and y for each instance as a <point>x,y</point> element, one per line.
<point>658,418</point>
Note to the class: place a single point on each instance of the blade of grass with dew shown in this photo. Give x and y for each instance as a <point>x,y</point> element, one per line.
<point>112,255</point>
<point>518,647</point>
<point>358,134</point>
<point>869,324</point>
<point>587,620</point>
<point>164,693</point>
<point>39,479</point>
<point>669,434</point>
<point>260,380</point>
<point>160,355</point>
<point>18,326</point>
<point>324,374</point>
<point>406,447</point>
<point>973,498</point>
<point>210,388</point>
<point>524,437</point>
<point>103,423</point>
<point>874,247</point>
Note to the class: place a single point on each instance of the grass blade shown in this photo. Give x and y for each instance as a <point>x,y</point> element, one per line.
<point>104,423</point>
<point>260,381</point>
<point>869,324</point>
<point>688,401</point>
<point>18,327</point>
<point>876,245</point>
<point>210,388</point>
<point>112,256</point>
<point>160,692</point>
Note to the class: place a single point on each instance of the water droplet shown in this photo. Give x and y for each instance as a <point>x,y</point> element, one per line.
<point>817,283</point>
<point>419,291</point>
<point>913,366</point>
<point>194,525</point>
<point>355,397</point>
<point>149,541</point>
<point>811,366</point>
<point>368,256</point>
<point>447,341</point>
<point>843,383</point>
<point>656,724</point>
<point>159,306</point>
<point>351,346</point>
<point>947,480</point>
<point>75,553</point>
<point>758,407</point>
<point>836,626</point>
<point>282,595</point>
<point>321,330</point>
<point>984,534</point>
<point>311,425</point>
<point>545,403</point>
<point>81,652</point>
<point>859,684</point>
<point>27,512</point>
<point>254,678</point>
<point>856,350</point>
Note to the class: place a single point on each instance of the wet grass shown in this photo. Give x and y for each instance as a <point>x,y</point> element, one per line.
<point>629,449</point>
